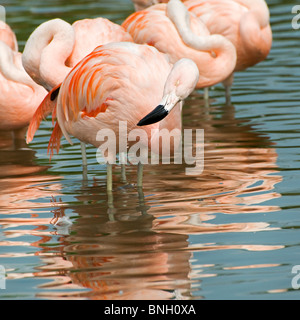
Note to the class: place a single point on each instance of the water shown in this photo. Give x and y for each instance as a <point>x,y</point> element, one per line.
<point>230,233</point>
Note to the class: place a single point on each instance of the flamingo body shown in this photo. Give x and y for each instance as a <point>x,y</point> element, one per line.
<point>8,36</point>
<point>55,46</point>
<point>215,59</point>
<point>19,94</point>
<point>90,33</point>
<point>115,82</point>
<point>244,22</point>
<point>121,82</point>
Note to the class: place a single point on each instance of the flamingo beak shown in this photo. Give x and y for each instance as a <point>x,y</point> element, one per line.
<point>154,116</point>
<point>167,103</point>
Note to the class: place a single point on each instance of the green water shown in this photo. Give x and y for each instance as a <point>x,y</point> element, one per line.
<point>230,233</point>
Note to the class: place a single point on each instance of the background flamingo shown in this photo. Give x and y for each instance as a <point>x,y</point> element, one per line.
<point>120,82</point>
<point>244,22</point>
<point>19,94</point>
<point>8,36</point>
<point>55,47</point>
<point>174,31</point>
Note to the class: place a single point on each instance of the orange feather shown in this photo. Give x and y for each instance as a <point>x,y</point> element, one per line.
<point>54,142</point>
<point>45,108</point>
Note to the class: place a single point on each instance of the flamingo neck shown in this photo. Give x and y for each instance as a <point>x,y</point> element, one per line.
<point>8,36</point>
<point>46,52</point>
<point>218,63</point>
<point>11,66</point>
<point>214,55</point>
<point>177,12</point>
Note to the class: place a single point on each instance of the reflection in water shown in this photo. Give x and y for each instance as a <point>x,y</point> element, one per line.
<point>24,186</point>
<point>121,259</point>
<point>138,247</point>
<point>20,181</point>
<point>239,175</point>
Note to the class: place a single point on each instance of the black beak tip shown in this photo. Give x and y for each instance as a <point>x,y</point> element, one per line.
<point>154,116</point>
<point>140,123</point>
<point>54,94</point>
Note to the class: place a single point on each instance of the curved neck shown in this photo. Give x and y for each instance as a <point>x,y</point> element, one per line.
<point>8,36</point>
<point>214,55</point>
<point>11,66</point>
<point>177,12</point>
<point>218,63</point>
<point>47,50</point>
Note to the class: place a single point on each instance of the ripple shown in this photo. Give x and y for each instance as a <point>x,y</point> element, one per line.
<point>230,229</point>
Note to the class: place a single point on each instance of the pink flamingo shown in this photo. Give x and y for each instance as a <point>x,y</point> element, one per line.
<point>244,22</point>
<point>55,47</point>
<point>19,94</point>
<point>174,31</point>
<point>8,36</point>
<point>120,82</point>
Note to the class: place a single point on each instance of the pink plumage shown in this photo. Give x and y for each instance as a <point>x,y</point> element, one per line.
<point>19,94</point>
<point>214,55</point>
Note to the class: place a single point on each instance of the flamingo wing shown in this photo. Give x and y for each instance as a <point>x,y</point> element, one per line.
<point>45,108</point>
<point>117,81</point>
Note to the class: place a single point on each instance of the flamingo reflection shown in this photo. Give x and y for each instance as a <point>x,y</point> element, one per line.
<point>139,248</point>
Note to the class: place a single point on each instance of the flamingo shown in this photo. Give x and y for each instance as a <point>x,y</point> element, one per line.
<point>55,47</point>
<point>120,82</point>
<point>20,96</point>
<point>174,31</point>
<point>8,36</point>
<point>244,22</point>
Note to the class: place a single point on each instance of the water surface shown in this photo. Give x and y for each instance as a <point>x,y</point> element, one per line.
<point>230,233</point>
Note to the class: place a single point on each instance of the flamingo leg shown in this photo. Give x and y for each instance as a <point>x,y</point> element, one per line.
<point>83,153</point>
<point>227,85</point>
<point>123,168</point>
<point>109,178</point>
<point>228,95</point>
<point>84,160</point>
<point>206,96</point>
<point>123,173</point>
<point>206,93</point>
